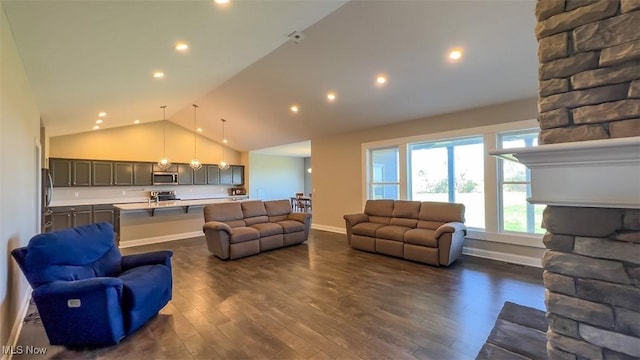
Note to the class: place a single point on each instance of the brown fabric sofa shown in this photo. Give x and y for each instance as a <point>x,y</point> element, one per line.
<point>427,232</point>
<point>237,229</point>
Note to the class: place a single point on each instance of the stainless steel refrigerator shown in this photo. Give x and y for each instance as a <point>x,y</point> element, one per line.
<point>46,194</point>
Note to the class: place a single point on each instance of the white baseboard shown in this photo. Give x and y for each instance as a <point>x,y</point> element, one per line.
<point>501,256</point>
<point>159,239</point>
<point>335,229</point>
<point>12,341</point>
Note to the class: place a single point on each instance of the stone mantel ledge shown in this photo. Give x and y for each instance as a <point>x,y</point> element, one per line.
<point>596,173</point>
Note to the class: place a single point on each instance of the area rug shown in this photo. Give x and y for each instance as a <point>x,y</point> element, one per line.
<point>520,332</point>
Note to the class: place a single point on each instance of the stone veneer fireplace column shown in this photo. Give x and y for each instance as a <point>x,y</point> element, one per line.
<point>587,171</point>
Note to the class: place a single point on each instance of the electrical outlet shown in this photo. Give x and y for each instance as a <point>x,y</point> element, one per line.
<point>76,194</point>
<point>124,192</point>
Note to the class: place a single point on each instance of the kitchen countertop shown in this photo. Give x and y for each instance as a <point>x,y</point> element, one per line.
<point>141,202</point>
<point>176,203</point>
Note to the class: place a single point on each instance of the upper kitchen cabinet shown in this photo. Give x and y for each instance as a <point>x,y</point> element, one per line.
<point>173,168</point>
<point>142,174</point>
<point>200,176</point>
<point>102,173</point>
<point>234,175</point>
<point>237,174</point>
<point>226,177</point>
<point>60,171</point>
<point>68,172</point>
<point>185,174</point>
<point>81,173</point>
<point>123,173</point>
<point>213,175</point>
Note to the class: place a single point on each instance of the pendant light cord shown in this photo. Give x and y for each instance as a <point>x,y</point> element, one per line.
<point>194,131</point>
<point>164,132</point>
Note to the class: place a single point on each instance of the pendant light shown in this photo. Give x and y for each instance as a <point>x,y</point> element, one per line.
<point>195,164</point>
<point>164,163</point>
<point>223,164</point>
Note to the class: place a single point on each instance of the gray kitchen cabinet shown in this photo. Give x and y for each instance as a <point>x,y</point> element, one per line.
<point>122,173</point>
<point>200,176</point>
<point>172,168</point>
<point>237,174</point>
<point>60,172</point>
<point>142,174</point>
<point>64,217</point>
<point>226,176</point>
<point>213,174</point>
<point>104,213</point>
<point>185,174</point>
<point>81,173</point>
<point>102,173</point>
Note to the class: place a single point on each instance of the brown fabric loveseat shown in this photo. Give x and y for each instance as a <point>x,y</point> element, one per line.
<point>237,229</point>
<point>427,232</point>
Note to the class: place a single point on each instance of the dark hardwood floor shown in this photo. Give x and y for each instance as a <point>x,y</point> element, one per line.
<point>318,300</point>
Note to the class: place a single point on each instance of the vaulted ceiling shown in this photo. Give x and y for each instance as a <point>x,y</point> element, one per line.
<point>85,57</point>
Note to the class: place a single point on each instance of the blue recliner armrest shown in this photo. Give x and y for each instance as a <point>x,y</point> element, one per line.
<point>82,312</point>
<point>152,258</point>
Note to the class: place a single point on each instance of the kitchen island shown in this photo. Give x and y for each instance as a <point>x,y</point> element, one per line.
<point>143,223</point>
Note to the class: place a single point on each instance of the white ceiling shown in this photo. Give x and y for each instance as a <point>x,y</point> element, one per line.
<point>83,57</point>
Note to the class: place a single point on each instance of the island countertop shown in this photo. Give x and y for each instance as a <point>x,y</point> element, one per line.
<point>176,203</point>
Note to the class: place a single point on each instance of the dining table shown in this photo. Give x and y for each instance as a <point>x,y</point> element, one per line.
<point>301,203</point>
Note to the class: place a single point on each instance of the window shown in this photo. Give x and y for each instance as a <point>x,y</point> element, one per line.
<point>515,213</point>
<point>385,174</point>
<point>450,171</point>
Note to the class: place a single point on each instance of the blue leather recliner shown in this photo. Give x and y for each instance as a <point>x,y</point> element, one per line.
<point>86,292</point>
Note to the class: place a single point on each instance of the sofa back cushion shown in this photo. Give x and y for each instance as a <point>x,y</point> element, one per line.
<point>433,214</point>
<point>379,211</point>
<point>78,253</point>
<point>405,213</point>
<point>254,212</point>
<point>278,210</point>
<point>229,213</point>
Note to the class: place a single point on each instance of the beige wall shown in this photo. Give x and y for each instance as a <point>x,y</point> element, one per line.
<point>337,160</point>
<point>140,143</point>
<point>19,172</point>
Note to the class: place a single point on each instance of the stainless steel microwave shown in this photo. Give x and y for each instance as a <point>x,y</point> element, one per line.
<point>165,178</point>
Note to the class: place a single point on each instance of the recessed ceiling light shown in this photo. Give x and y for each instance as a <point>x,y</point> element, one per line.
<point>99,121</point>
<point>136,122</point>
<point>182,46</point>
<point>455,54</point>
<point>221,2</point>
<point>96,127</point>
<point>199,129</point>
<point>294,109</point>
<point>158,74</point>
<point>331,97</point>
<point>102,114</point>
<point>381,80</point>
<point>224,141</point>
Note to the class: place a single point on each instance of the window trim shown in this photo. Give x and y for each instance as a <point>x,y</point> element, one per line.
<point>489,134</point>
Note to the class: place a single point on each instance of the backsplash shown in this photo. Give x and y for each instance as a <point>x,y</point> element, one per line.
<point>64,196</point>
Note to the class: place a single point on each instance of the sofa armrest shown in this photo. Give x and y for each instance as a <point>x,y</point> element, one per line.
<point>216,226</point>
<point>90,308</point>
<point>450,227</point>
<point>304,218</point>
<point>351,220</point>
<point>217,235</point>
<point>151,258</point>
<point>355,219</point>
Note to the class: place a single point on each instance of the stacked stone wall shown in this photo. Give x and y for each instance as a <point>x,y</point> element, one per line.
<point>589,71</point>
<point>592,281</point>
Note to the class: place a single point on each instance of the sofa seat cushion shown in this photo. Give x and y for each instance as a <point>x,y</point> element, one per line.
<point>366,229</point>
<point>392,232</point>
<point>424,237</point>
<point>242,234</point>
<point>140,300</point>
<point>291,226</point>
<point>267,229</point>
